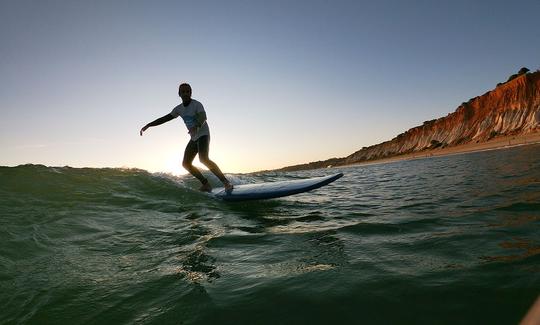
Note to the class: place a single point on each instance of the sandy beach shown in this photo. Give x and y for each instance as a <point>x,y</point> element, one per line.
<point>501,142</point>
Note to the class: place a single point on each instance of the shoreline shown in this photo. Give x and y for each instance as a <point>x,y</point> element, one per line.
<point>501,142</point>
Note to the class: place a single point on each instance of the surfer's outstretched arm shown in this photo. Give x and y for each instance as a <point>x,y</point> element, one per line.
<point>157,122</point>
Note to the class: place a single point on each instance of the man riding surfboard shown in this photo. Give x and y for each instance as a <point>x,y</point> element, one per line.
<point>194,116</point>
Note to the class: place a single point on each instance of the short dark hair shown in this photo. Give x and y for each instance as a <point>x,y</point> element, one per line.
<point>184,85</point>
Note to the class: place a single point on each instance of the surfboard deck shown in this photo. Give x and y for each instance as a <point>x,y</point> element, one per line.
<point>270,190</point>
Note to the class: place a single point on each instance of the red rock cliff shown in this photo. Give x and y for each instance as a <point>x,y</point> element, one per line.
<point>513,108</point>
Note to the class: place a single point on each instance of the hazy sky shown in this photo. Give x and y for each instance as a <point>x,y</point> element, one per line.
<point>282,82</point>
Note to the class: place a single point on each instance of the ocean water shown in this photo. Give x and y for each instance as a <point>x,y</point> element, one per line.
<point>444,240</point>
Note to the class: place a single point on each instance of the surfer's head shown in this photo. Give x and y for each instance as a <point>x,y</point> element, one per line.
<point>184,91</point>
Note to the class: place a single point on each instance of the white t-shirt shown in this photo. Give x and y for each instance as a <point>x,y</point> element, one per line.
<point>189,115</point>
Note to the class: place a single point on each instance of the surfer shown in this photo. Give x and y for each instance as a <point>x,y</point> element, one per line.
<point>194,116</point>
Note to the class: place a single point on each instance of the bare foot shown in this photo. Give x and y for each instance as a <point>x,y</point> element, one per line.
<point>206,188</point>
<point>228,187</point>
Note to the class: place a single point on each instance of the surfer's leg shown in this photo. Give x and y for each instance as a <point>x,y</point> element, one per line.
<point>204,147</point>
<point>189,155</point>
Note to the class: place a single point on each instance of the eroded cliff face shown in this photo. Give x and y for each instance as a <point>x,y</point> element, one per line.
<point>513,108</point>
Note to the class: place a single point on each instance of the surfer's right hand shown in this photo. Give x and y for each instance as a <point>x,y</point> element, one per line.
<point>143,129</point>
<point>193,130</point>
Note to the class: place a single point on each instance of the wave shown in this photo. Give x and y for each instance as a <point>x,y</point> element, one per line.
<point>30,184</point>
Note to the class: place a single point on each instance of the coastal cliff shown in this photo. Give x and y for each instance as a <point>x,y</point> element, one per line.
<point>512,108</point>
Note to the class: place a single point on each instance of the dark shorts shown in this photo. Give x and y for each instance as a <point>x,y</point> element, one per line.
<point>200,146</point>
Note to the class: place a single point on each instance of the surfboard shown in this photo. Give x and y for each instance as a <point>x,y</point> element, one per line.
<point>262,191</point>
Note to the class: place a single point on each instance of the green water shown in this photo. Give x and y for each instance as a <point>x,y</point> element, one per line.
<point>436,241</point>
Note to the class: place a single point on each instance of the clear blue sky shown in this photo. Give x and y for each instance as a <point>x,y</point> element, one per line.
<point>283,82</point>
